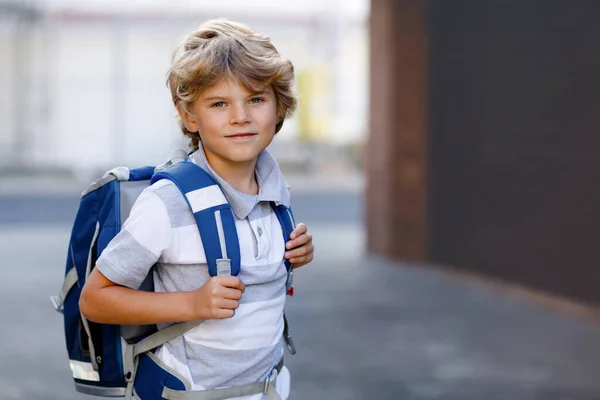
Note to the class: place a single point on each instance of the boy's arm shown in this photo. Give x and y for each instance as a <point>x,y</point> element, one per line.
<point>110,296</point>
<point>106,302</point>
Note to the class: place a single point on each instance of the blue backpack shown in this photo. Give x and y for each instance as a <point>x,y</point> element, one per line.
<point>106,359</point>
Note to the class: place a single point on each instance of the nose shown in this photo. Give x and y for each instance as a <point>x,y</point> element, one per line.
<point>240,114</point>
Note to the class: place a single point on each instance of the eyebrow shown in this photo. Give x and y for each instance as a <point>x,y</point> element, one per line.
<point>216,98</point>
<point>257,92</point>
<point>221,98</point>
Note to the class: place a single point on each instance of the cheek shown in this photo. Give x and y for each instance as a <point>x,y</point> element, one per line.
<point>212,124</point>
<point>269,119</point>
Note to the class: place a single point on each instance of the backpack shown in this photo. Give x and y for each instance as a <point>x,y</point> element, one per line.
<point>105,359</point>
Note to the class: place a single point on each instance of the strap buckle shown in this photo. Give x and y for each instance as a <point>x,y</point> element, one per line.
<point>57,303</point>
<point>290,280</point>
<point>270,381</point>
<point>223,267</point>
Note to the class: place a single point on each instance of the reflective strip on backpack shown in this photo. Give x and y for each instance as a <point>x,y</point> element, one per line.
<point>221,234</point>
<point>223,263</point>
<point>204,198</point>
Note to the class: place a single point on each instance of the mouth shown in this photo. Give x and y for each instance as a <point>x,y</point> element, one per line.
<point>242,135</point>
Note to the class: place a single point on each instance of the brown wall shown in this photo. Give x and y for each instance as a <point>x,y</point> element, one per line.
<point>396,202</point>
<point>495,107</point>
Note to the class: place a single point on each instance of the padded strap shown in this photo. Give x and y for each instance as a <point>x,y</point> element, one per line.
<point>212,213</point>
<point>286,220</point>
<point>289,342</point>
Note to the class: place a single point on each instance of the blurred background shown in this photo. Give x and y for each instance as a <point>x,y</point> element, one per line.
<point>444,155</point>
<point>83,83</point>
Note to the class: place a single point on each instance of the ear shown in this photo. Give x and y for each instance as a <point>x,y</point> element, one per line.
<point>278,126</point>
<point>188,119</point>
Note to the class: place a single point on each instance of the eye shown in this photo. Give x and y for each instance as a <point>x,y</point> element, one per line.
<point>256,100</point>
<point>218,104</point>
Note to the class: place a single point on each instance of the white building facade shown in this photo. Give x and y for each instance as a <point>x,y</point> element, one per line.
<point>85,88</point>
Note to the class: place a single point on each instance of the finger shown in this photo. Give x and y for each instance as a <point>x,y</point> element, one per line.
<point>300,251</point>
<point>299,230</point>
<point>300,241</point>
<point>227,304</point>
<point>233,294</point>
<point>300,261</point>
<point>223,313</point>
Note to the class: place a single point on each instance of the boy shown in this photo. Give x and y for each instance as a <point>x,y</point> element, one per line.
<point>232,91</point>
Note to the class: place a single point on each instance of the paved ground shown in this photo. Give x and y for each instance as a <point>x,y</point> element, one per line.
<point>365,328</point>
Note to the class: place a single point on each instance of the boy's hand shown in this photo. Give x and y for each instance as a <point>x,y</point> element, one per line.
<point>300,249</point>
<point>218,298</point>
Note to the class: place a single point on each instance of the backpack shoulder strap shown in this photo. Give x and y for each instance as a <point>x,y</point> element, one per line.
<point>286,220</point>
<point>212,213</point>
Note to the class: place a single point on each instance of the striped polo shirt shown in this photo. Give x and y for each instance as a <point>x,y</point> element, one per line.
<point>161,232</point>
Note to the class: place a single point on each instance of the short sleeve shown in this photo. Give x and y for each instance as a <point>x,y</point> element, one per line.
<point>128,258</point>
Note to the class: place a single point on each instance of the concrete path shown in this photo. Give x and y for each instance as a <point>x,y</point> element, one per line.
<point>365,328</point>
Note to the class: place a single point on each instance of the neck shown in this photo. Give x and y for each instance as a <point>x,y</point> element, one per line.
<point>239,175</point>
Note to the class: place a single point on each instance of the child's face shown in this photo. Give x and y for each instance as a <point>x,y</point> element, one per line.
<point>235,125</point>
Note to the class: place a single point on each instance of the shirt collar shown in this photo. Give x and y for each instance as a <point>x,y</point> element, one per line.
<point>271,183</point>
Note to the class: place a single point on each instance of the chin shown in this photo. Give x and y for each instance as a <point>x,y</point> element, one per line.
<point>244,156</point>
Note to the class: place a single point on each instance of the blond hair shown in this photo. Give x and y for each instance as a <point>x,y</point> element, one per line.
<point>221,49</point>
